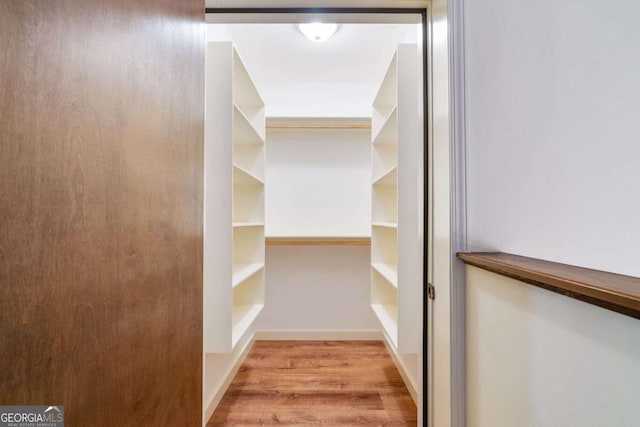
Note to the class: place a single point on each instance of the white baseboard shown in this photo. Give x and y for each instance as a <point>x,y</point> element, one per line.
<point>411,386</point>
<point>222,389</point>
<point>318,335</point>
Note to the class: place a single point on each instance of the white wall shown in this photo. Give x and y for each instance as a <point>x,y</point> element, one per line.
<point>552,105</point>
<point>318,183</point>
<point>317,288</point>
<point>539,359</point>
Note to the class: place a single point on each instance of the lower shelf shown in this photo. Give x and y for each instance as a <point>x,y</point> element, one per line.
<point>388,316</point>
<point>243,317</point>
<point>317,241</point>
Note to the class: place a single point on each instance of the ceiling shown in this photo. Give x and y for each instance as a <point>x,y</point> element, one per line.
<point>299,77</point>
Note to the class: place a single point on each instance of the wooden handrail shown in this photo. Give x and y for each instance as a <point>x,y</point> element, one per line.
<point>607,290</point>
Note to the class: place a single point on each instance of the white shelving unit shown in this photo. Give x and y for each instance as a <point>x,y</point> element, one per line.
<point>234,236</point>
<point>395,146</point>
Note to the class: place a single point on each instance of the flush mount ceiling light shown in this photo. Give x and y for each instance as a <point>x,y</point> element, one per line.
<point>318,31</point>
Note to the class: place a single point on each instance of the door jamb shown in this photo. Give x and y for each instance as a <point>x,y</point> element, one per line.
<point>426,122</point>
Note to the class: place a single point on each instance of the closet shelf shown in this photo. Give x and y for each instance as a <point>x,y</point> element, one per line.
<point>248,224</point>
<point>387,132</point>
<point>245,92</point>
<point>387,271</point>
<point>388,316</point>
<point>396,148</point>
<point>243,316</point>
<point>245,131</point>
<point>242,272</point>
<point>385,224</point>
<point>233,271</point>
<point>242,176</point>
<point>390,177</point>
<point>388,90</point>
<point>318,241</point>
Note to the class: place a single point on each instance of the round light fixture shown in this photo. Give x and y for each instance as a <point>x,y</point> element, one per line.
<point>318,31</point>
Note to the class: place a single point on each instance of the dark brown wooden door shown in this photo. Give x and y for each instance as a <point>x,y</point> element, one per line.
<point>101,172</point>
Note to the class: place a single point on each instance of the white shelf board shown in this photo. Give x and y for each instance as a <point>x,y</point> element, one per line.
<point>245,130</point>
<point>387,132</point>
<point>248,224</point>
<point>390,177</point>
<point>388,271</point>
<point>241,176</point>
<point>388,316</point>
<point>388,92</point>
<point>385,224</point>
<point>242,272</point>
<point>245,91</point>
<point>243,317</point>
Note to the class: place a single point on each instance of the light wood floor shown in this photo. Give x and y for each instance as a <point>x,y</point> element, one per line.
<point>307,383</point>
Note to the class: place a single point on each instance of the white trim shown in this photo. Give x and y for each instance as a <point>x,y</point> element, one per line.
<point>299,18</point>
<point>458,211</point>
<point>411,4</point>
<point>231,373</point>
<point>319,3</point>
<point>411,386</point>
<point>318,335</point>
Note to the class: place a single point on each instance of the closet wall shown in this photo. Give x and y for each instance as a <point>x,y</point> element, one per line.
<point>318,185</point>
<point>319,179</point>
<point>553,105</point>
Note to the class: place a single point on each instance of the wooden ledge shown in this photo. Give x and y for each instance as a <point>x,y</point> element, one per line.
<point>607,290</point>
<point>318,241</point>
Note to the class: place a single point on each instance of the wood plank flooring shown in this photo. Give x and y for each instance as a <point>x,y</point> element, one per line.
<point>307,383</point>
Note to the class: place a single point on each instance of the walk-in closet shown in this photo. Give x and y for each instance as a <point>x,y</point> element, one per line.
<point>314,189</point>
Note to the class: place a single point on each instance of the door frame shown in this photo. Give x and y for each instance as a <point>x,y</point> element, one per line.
<point>427,58</point>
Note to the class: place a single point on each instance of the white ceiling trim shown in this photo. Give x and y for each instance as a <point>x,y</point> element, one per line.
<point>297,18</point>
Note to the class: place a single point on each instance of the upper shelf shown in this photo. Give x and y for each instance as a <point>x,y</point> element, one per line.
<point>245,92</point>
<point>607,290</point>
<point>386,132</point>
<point>242,176</point>
<point>248,125</point>
<point>390,177</point>
<point>388,93</point>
